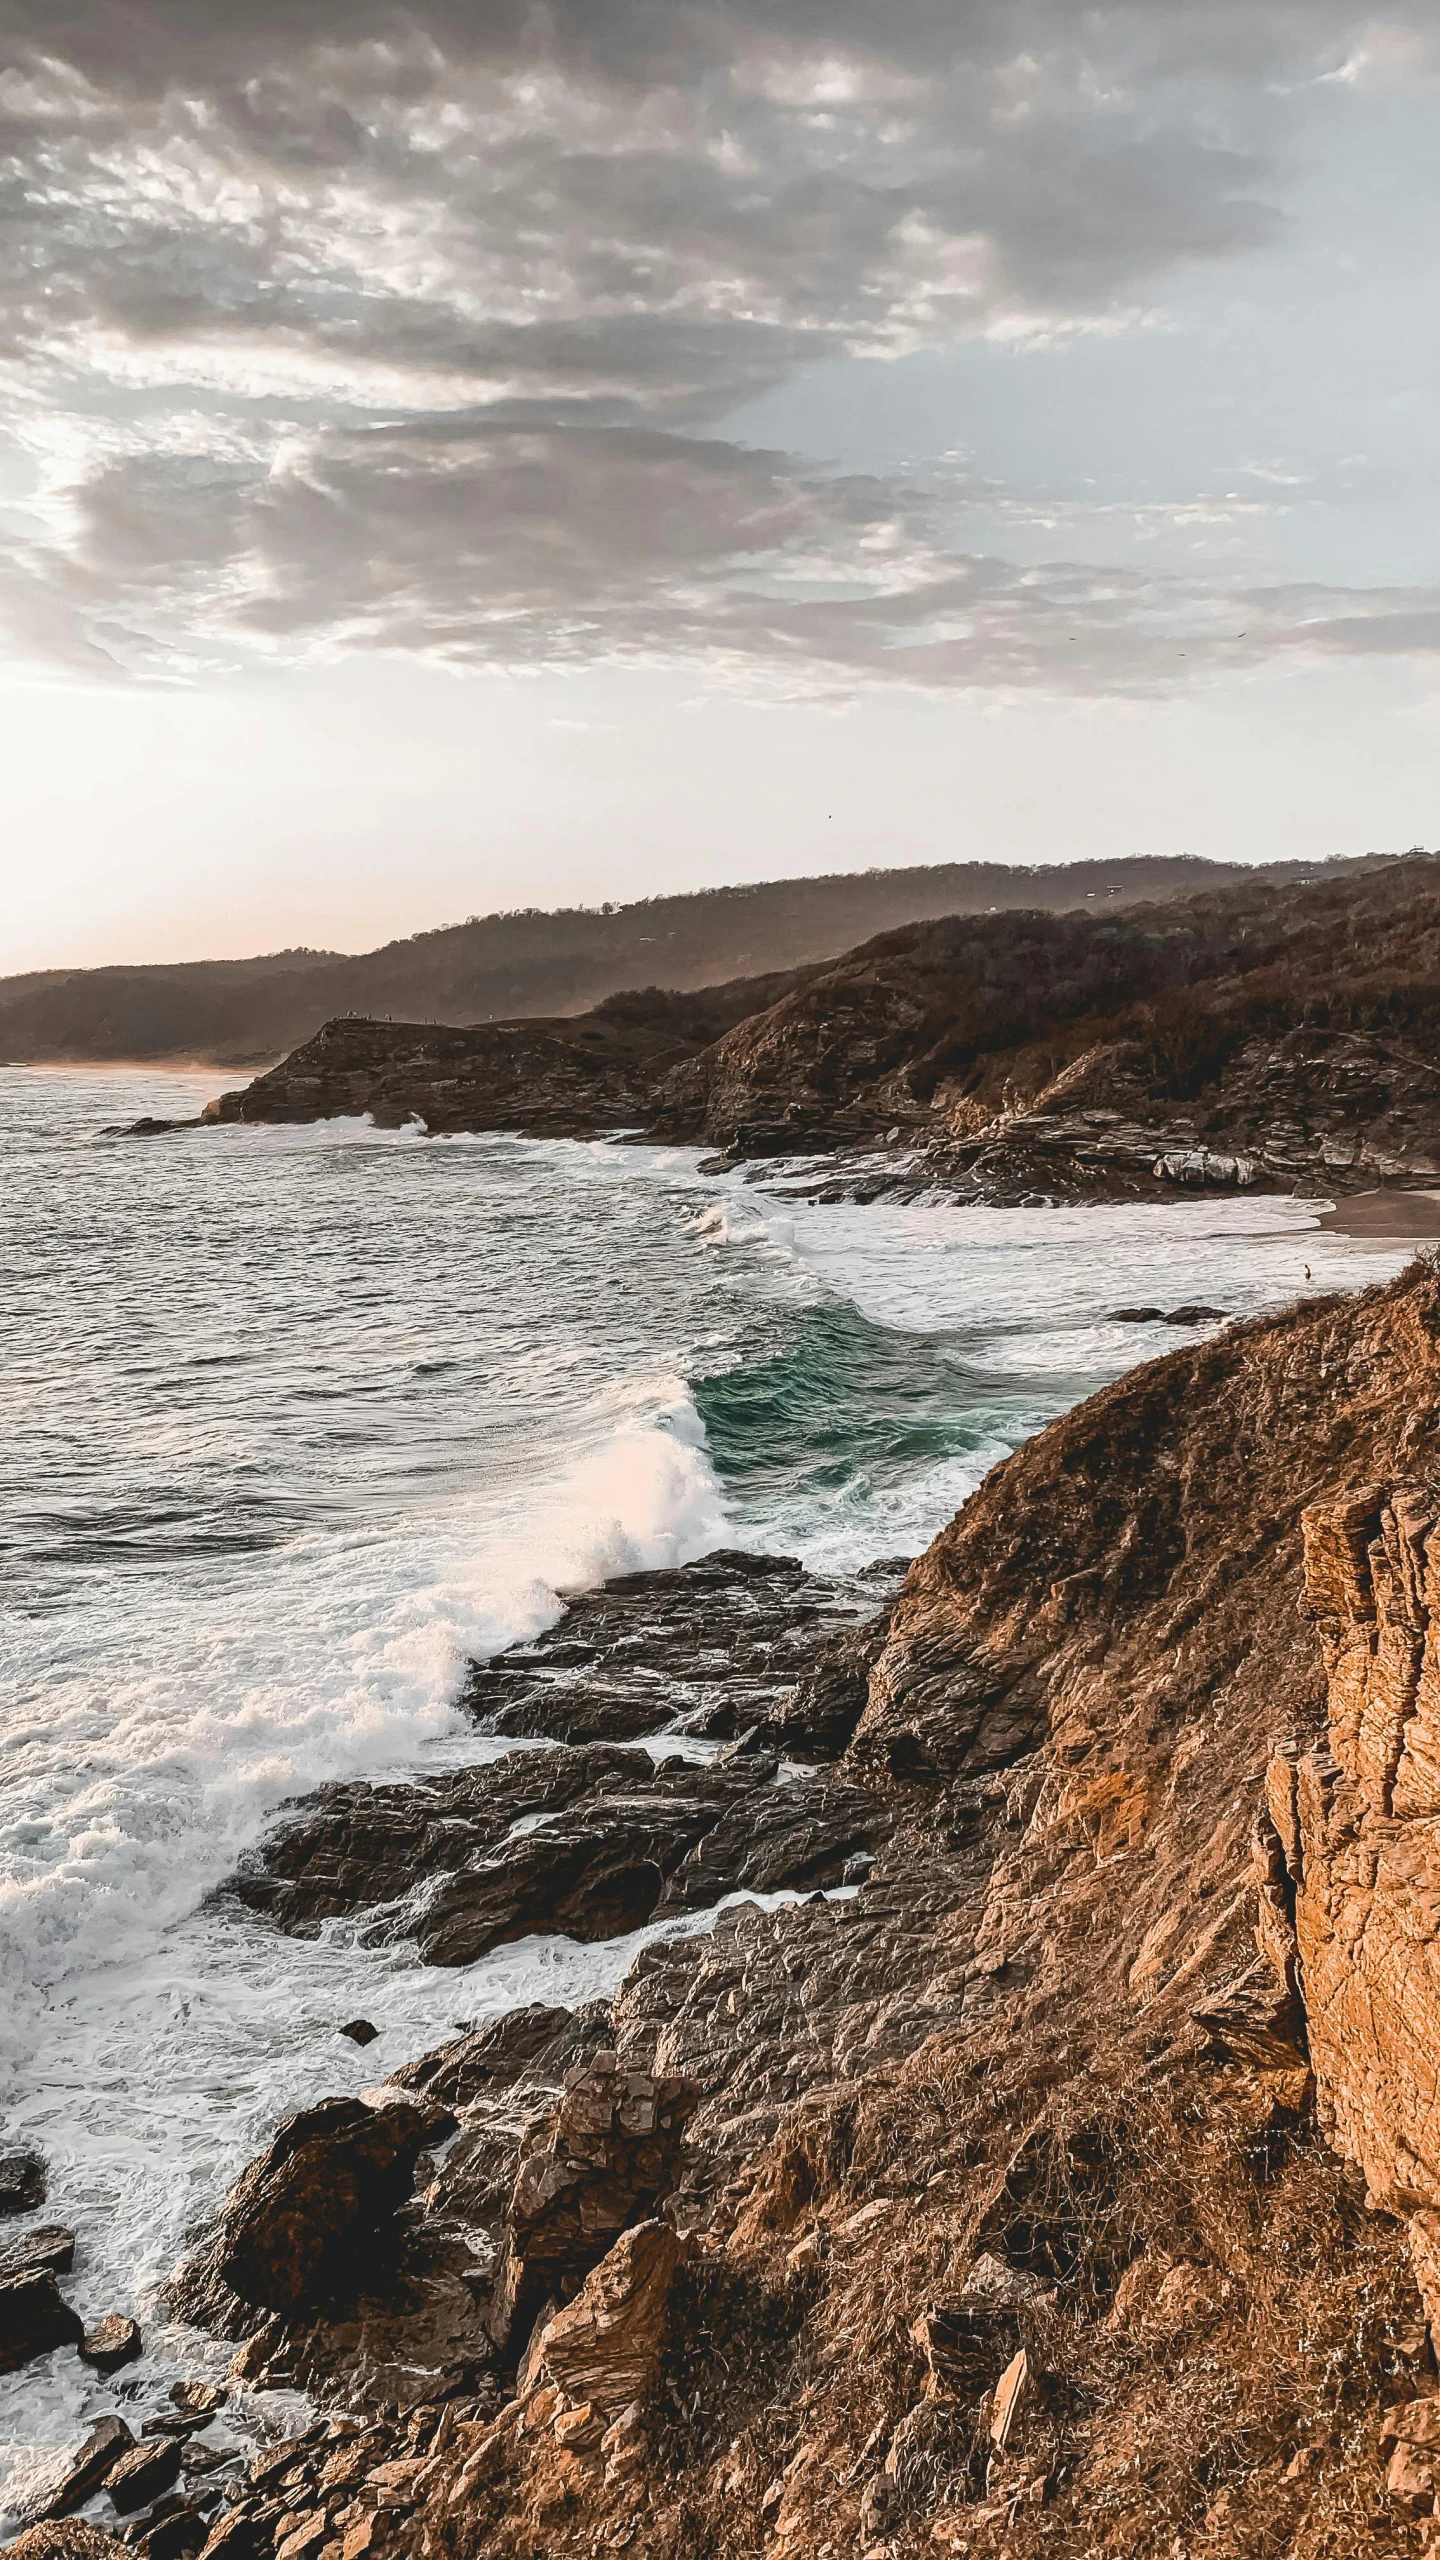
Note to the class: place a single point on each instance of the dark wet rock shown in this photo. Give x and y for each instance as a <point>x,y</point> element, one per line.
<point>87,2468</point>
<point>360,2031</point>
<point>49,2246</point>
<point>198,2399</point>
<point>816,1720</point>
<point>148,1127</point>
<point>354,1847</point>
<point>610,1842</point>
<point>601,2161</point>
<point>22,2181</point>
<point>34,2318</point>
<point>141,2476</point>
<point>197,2460</point>
<point>111,2343</point>
<point>534,2045</point>
<point>300,2227</point>
<point>173,2537</point>
<point>1194,1314</point>
<point>65,2539</point>
<point>674,1839</point>
<point>711,1644</point>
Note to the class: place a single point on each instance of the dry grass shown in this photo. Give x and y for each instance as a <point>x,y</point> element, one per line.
<point>1225,2312</point>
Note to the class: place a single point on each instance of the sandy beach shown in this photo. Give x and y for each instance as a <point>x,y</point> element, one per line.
<point>1385,1213</point>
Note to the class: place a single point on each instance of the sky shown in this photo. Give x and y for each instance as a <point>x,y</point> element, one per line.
<point>523,452</point>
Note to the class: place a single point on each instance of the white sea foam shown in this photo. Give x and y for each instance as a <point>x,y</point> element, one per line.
<point>132,1793</point>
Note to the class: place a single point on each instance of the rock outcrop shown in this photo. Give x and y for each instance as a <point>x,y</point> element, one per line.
<point>603,2160</point>
<point>569,1077</point>
<point>609,1842</point>
<point>1350,1853</point>
<point>303,2224</point>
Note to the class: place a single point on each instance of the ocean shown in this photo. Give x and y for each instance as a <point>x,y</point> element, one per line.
<point>295,1421</point>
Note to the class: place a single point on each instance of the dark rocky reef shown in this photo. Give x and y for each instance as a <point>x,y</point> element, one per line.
<point>590,1842</point>
<point>709,1652</point>
<point>597,1839</point>
<point>1255,1038</point>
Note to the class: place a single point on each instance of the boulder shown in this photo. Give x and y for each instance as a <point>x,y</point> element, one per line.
<point>34,2318</point>
<point>604,2158</point>
<point>360,2031</point>
<point>87,2468</point>
<point>22,2181</point>
<point>302,2225</point>
<point>111,2343</point>
<point>1412,2477</point>
<point>198,2399</point>
<point>141,2476</point>
<point>604,2349</point>
<point>49,2245</point>
<point>175,2536</point>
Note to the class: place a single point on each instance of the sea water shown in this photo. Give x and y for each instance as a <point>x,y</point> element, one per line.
<point>295,1421</point>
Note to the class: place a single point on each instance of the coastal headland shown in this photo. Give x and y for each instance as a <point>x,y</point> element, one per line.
<point>1256,1038</point>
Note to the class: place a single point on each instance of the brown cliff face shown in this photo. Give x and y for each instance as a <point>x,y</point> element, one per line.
<point>994,2213</point>
<point>1355,1851</point>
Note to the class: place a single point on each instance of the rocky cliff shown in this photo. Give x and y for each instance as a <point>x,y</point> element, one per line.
<point>1256,1038</point>
<point>1055,2173</point>
<point>545,1079</point>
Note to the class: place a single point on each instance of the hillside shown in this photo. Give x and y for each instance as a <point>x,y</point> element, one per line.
<point>244,1013</point>
<point>1256,1036</point>
<point>1280,1033</point>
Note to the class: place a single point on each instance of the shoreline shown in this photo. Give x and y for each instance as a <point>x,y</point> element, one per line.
<point>1381,1214</point>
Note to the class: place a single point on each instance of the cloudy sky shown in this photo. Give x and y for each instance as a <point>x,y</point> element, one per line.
<point>510,451</point>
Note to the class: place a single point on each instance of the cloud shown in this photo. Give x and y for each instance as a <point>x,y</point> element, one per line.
<point>331,324</point>
<point>515,546</point>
